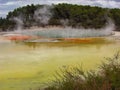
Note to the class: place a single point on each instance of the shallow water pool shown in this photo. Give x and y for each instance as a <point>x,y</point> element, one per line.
<point>28,65</point>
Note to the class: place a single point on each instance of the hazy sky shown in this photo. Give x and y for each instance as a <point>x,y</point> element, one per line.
<point>9,5</point>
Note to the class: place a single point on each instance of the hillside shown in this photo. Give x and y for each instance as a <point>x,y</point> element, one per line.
<point>76,16</point>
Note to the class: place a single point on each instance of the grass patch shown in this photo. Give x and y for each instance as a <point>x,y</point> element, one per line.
<point>106,78</point>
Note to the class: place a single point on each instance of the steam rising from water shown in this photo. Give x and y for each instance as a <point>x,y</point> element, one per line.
<point>69,32</point>
<point>43,15</point>
<point>19,23</point>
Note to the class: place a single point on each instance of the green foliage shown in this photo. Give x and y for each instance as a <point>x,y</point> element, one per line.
<point>6,24</point>
<point>115,15</point>
<point>26,14</point>
<point>107,78</point>
<point>76,16</point>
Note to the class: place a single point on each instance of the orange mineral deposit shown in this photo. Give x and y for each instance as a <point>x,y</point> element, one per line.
<point>18,37</point>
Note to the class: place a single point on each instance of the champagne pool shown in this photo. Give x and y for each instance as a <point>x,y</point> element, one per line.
<point>26,65</point>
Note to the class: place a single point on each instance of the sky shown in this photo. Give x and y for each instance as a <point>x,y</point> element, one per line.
<point>10,5</point>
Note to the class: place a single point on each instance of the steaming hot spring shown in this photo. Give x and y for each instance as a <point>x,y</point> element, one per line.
<point>57,34</point>
<point>53,34</point>
<point>27,63</point>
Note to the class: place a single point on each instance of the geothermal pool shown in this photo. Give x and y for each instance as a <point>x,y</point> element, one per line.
<point>27,65</point>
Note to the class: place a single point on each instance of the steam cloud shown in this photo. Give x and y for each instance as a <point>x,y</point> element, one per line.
<point>19,23</point>
<point>69,32</point>
<point>43,15</point>
<point>64,22</point>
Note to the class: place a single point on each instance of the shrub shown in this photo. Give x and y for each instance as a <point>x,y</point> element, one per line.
<point>106,78</point>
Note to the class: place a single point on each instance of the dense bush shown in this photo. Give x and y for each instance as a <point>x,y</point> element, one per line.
<point>63,14</point>
<point>80,16</point>
<point>107,78</point>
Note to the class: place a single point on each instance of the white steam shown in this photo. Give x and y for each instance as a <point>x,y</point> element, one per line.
<point>43,15</point>
<point>69,32</point>
<point>19,23</point>
<point>64,22</point>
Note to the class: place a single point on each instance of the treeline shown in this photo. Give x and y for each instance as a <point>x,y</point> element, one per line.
<point>76,16</point>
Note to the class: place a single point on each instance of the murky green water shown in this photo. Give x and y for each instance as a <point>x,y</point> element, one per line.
<point>24,66</point>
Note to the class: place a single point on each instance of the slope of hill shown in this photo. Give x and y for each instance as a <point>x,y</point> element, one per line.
<point>76,16</point>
